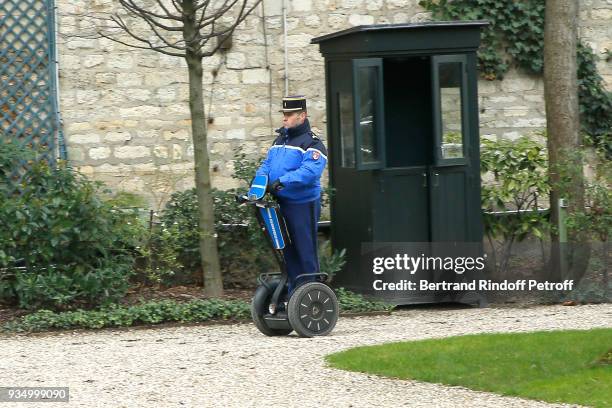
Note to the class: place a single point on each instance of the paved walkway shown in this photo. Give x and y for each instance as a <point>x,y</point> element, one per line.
<point>235,366</point>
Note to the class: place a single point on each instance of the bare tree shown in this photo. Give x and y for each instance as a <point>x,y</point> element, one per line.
<point>190,29</point>
<point>563,126</point>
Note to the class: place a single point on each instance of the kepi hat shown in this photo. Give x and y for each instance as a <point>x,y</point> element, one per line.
<point>294,103</point>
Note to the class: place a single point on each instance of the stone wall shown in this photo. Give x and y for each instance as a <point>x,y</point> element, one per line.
<point>125,111</point>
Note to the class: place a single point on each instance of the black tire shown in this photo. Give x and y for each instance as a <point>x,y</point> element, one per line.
<point>259,307</point>
<point>313,310</point>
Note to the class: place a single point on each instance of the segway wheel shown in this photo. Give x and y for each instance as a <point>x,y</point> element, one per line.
<point>259,307</point>
<point>313,310</point>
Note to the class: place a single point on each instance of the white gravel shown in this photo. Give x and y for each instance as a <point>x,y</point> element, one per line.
<point>236,366</point>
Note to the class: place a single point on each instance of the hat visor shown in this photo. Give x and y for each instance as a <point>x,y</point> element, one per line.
<point>291,110</point>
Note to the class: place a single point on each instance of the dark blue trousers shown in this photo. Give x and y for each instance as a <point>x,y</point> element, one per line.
<point>301,255</point>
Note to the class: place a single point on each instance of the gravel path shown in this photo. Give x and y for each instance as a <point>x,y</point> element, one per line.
<point>233,365</point>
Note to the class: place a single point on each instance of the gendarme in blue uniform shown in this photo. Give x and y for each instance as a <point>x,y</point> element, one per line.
<point>297,159</point>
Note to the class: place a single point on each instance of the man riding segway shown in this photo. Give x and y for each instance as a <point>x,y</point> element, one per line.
<point>291,173</point>
<point>294,165</point>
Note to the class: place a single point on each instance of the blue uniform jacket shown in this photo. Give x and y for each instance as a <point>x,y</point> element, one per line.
<point>297,158</point>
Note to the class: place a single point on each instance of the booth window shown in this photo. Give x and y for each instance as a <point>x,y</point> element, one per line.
<point>368,93</point>
<point>347,136</point>
<point>449,80</point>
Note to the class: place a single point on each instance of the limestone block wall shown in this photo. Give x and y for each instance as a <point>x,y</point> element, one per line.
<point>125,111</point>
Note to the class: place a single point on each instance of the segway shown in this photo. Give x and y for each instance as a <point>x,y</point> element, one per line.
<point>312,308</point>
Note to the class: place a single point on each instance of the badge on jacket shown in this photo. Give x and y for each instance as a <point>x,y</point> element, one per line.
<point>315,155</point>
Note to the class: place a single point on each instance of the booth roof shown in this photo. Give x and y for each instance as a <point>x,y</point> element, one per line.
<point>403,26</point>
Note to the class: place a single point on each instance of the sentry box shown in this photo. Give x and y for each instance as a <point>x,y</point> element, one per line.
<point>402,130</point>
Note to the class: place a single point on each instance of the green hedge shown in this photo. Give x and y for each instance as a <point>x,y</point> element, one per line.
<point>60,244</point>
<point>154,312</point>
<point>355,303</point>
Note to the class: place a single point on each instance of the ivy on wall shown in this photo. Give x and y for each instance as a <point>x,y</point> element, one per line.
<point>516,35</point>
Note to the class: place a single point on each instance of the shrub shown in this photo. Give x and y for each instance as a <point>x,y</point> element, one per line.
<point>593,222</point>
<point>60,244</point>
<point>519,169</point>
<point>595,219</point>
<point>331,262</point>
<point>157,261</point>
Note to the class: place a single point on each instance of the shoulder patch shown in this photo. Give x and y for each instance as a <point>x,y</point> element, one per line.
<point>316,144</point>
<point>316,155</point>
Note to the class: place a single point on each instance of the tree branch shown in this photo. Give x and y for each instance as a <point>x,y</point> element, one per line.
<point>205,6</point>
<point>158,49</point>
<point>178,7</point>
<point>161,4</point>
<point>217,14</point>
<point>163,39</point>
<point>117,20</point>
<point>157,23</point>
<point>241,17</point>
<point>130,5</point>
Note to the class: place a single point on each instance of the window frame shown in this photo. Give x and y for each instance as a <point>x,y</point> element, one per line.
<point>379,123</point>
<point>437,109</point>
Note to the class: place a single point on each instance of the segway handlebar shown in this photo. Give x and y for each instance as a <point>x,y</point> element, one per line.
<point>244,199</point>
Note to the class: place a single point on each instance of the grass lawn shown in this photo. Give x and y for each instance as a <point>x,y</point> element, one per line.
<point>559,366</point>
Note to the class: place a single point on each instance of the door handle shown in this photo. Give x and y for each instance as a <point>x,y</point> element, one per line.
<point>436,180</point>
<point>424,179</point>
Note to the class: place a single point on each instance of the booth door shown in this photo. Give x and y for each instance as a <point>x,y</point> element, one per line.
<point>411,136</point>
<point>450,174</point>
<point>402,208</point>
<point>449,216</point>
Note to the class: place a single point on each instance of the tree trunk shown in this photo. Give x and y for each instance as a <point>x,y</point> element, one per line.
<point>213,283</point>
<point>563,127</point>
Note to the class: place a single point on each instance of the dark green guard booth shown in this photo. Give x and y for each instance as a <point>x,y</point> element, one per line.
<point>403,137</point>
